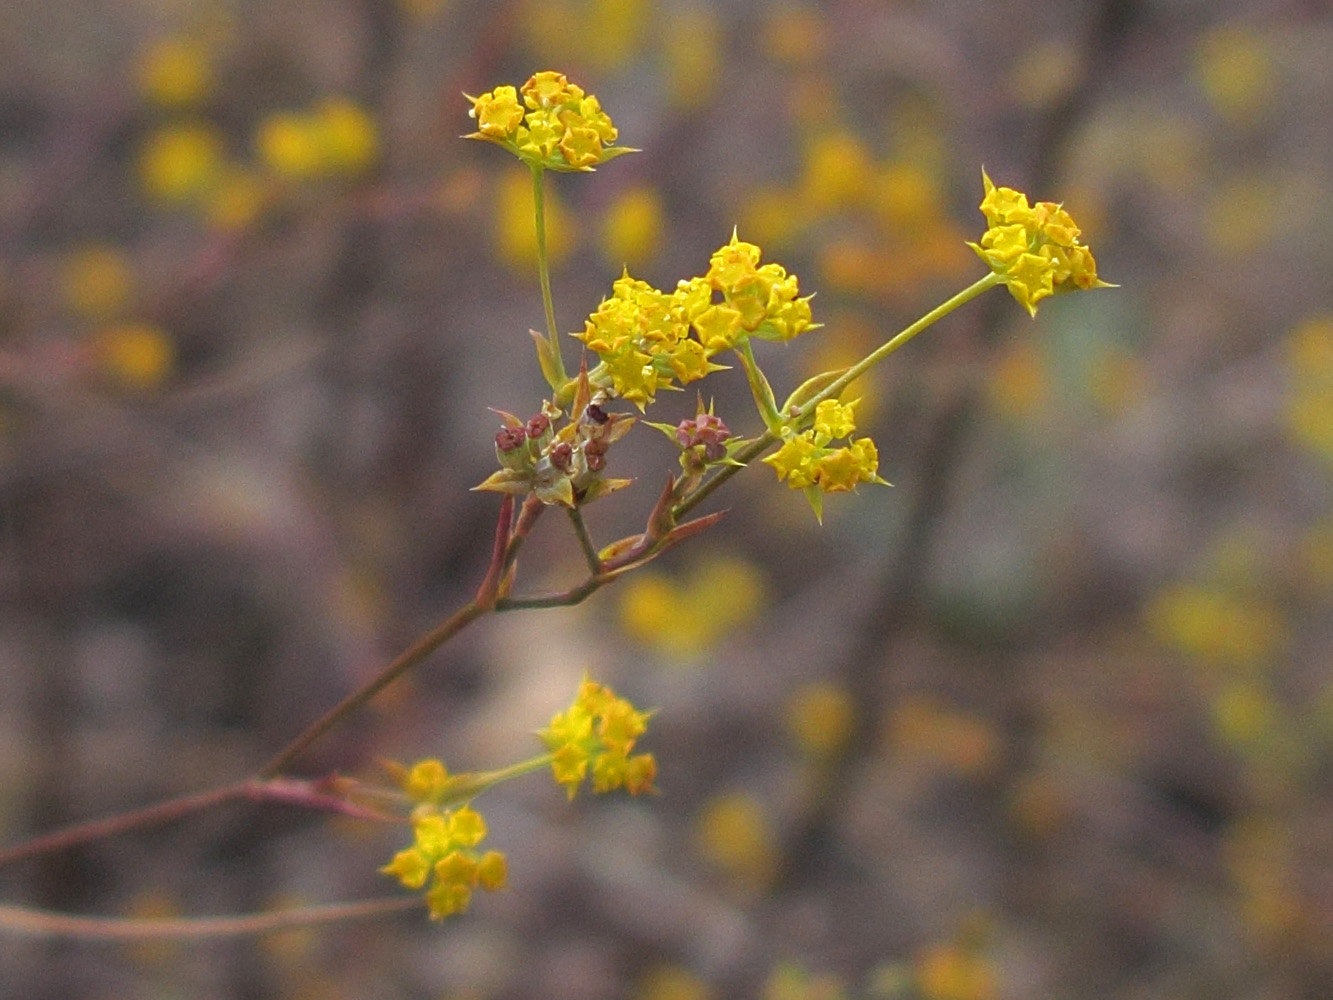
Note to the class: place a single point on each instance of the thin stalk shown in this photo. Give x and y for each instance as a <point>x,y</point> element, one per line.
<point>101,829</point>
<point>759,387</point>
<point>888,347</point>
<point>419,650</point>
<point>480,781</point>
<point>564,599</point>
<point>585,541</point>
<point>766,440</point>
<point>44,924</point>
<point>544,269</point>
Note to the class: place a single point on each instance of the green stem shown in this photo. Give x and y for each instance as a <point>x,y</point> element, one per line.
<point>544,271</point>
<point>759,387</point>
<point>769,438</point>
<point>564,599</point>
<point>585,541</point>
<point>835,387</point>
<point>483,780</point>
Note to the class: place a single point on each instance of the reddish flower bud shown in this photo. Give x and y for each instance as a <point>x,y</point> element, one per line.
<point>705,429</point>
<point>509,438</point>
<point>561,455</point>
<point>595,453</point>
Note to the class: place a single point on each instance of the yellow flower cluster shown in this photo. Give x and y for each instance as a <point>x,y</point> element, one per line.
<point>807,460</point>
<point>758,300</point>
<point>596,736</point>
<point>643,339</point>
<point>1035,249</point>
<point>549,123</point>
<point>443,851</point>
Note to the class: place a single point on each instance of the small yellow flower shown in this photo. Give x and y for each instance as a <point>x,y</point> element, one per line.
<point>426,780</point>
<point>718,327</point>
<point>289,144</point>
<point>808,461</point>
<point>549,88</point>
<point>1035,249</point>
<point>497,112</point>
<point>442,858</point>
<point>596,735</point>
<point>834,419</point>
<point>410,867</point>
<point>492,871</point>
<point>446,898</point>
<point>794,461</point>
<point>347,136</point>
<point>733,266</point>
<point>466,827</point>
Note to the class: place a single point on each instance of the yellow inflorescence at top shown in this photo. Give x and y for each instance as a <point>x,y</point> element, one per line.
<point>549,123</point>
<point>1035,249</point>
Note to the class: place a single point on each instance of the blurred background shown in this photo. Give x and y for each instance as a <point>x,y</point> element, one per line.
<point>1051,718</point>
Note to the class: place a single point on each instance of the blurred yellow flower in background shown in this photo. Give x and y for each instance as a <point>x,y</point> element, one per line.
<point>1216,627</point>
<point>1235,69</point>
<point>693,47</point>
<point>733,832</point>
<point>632,227</point>
<point>139,356</point>
<point>681,619</point>
<point>820,717</point>
<point>180,162</point>
<point>175,73</point>
<point>97,281</point>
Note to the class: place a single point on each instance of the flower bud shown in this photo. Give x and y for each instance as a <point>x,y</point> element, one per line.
<point>510,448</point>
<point>562,455</point>
<point>595,453</point>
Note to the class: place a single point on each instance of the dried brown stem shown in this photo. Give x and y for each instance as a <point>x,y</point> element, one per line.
<point>44,924</point>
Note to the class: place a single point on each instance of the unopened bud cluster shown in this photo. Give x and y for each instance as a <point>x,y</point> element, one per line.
<point>560,465</point>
